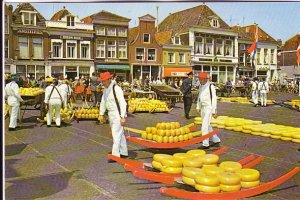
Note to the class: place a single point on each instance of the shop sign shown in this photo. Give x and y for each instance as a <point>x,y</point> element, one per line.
<point>178,73</point>
<point>67,37</point>
<point>30,31</point>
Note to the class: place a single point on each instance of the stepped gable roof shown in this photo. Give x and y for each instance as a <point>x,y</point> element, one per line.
<point>17,15</point>
<point>197,16</point>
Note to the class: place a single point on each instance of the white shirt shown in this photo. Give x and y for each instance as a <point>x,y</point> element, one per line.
<point>204,98</point>
<point>108,100</point>
<point>254,86</point>
<point>54,95</point>
<point>263,86</point>
<point>12,93</point>
<point>64,90</point>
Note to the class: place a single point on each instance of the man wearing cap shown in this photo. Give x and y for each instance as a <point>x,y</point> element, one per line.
<point>207,106</point>
<point>13,100</point>
<point>186,90</point>
<point>255,91</point>
<point>113,101</point>
<point>53,101</point>
<point>263,88</point>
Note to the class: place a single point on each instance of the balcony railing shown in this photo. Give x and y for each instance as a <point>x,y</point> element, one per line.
<point>77,25</point>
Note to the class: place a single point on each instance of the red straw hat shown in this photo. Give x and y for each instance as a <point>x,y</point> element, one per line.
<point>203,75</point>
<point>105,76</point>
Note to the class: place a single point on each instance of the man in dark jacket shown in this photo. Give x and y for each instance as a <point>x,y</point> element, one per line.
<point>94,84</point>
<point>186,90</point>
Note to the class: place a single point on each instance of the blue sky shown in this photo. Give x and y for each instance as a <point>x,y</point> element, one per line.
<point>280,19</point>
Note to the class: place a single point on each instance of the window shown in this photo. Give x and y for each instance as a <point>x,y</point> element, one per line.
<point>228,48</point>
<point>122,49</point>
<point>85,50</point>
<point>152,54</point>
<point>28,18</point>
<point>176,40</point>
<point>215,23</point>
<point>171,58</point>
<point>198,49</point>
<point>70,21</point>
<point>23,47</point>
<point>57,49</point>
<point>37,47</point>
<point>140,53</point>
<point>71,49</point>
<point>111,49</point>
<point>272,56</point>
<point>122,32</point>
<point>219,47</point>
<point>100,30</point>
<point>6,48</point>
<point>266,56</point>
<point>100,48</point>
<point>243,59</point>
<point>6,24</point>
<point>258,56</point>
<point>146,38</point>
<point>111,31</point>
<point>181,58</point>
<point>209,46</point>
<point>242,47</point>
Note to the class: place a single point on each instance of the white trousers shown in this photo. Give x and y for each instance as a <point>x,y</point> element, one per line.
<point>13,113</point>
<point>263,98</point>
<point>255,97</point>
<point>118,134</point>
<point>54,104</point>
<point>206,114</point>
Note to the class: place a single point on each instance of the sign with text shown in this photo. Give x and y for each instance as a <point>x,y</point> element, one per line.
<point>178,73</point>
<point>67,37</point>
<point>30,31</point>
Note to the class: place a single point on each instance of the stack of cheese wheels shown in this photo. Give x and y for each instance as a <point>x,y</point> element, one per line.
<point>157,160</point>
<point>189,174</point>
<point>230,166</point>
<point>207,183</point>
<point>209,159</point>
<point>198,120</point>
<point>171,165</point>
<point>249,177</point>
<point>229,181</point>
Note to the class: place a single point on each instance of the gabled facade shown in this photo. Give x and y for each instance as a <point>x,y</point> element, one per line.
<point>111,43</point>
<point>144,50</point>
<point>29,42</point>
<point>8,50</point>
<point>214,44</point>
<point>70,46</point>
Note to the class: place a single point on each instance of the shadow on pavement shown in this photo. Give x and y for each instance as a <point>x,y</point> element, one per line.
<point>10,172</point>
<point>14,149</point>
<point>38,187</point>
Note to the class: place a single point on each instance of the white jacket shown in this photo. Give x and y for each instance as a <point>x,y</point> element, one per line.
<point>54,95</point>
<point>108,100</point>
<point>263,86</point>
<point>204,98</point>
<point>12,94</point>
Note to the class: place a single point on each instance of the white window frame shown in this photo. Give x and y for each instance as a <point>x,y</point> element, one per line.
<point>115,45</point>
<point>200,44</point>
<point>29,13</point>
<point>231,52</point>
<point>272,61</point>
<point>266,56</point>
<point>143,56</point>
<point>215,23</point>
<point>222,47</point>
<point>69,16</point>
<point>61,47</point>
<point>71,42</point>
<point>173,58</point>
<point>179,54</point>
<point>144,37</point>
<point>89,49</point>
<point>6,48</point>
<point>27,48</point>
<point>99,46</point>
<point>42,56</point>
<point>99,31</point>
<point>174,40</point>
<point>108,31</point>
<point>154,54</point>
<point>6,25</point>
<point>123,46</point>
<point>121,30</point>
<point>212,47</point>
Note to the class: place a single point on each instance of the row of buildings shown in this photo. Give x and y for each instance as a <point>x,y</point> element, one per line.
<point>195,39</point>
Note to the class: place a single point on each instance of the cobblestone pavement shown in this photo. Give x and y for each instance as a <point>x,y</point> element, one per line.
<point>70,162</point>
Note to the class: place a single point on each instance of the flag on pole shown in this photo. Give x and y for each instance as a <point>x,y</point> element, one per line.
<point>298,54</point>
<point>253,47</point>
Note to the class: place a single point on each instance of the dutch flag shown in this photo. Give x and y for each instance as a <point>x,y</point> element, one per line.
<point>253,47</point>
<point>298,54</point>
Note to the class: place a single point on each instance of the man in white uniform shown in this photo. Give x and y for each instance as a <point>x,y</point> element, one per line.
<point>116,114</point>
<point>255,92</point>
<point>65,91</point>
<point>207,105</point>
<point>53,101</point>
<point>263,88</point>
<point>13,100</point>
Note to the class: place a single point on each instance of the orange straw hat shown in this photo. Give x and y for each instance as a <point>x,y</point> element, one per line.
<point>105,76</point>
<point>203,75</point>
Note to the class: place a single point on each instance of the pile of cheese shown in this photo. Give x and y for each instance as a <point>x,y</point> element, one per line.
<point>147,105</point>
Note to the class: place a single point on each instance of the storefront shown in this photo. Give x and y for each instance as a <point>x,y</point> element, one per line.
<point>31,69</point>
<point>141,72</point>
<point>218,74</point>
<point>173,73</point>
<point>121,71</point>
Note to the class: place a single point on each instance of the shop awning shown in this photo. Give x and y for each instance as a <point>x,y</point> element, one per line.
<point>177,71</point>
<point>120,67</point>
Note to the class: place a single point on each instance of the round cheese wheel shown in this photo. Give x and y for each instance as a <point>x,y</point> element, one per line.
<point>182,156</point>
<point>171,139</point>
<point>246,131</point>
<point>296,135</point>
<point>188,181</point>
<point>255,133</point>
<point>249,184</point>
<point>148,129</point>
<point>266,135</point>
<point>221,126</point>
<point>230,188</point>
<point>247,127</point>
<point>197,123</point>
<point>230,128</point>
<point>198,119</point>
<point>286,138</point>
<point>144,135</point>
<point>171,170</point>
<point>191,172</point>
<point>221,123</point>
<point>212,170</point>
<point>257,122</point>
<point>286,134</point>
<point>230,166</point>
<point>248,174</point>
<point>228,178</point>
<point>149,136</point>
<point>209,159</point>
<point>238,128</point>
<point>230,124</point>
<point>171,162</point>
<point>296,140</point>
<point>207,180</point>
<point>196,152</point>
<point>192,162</point>
<point>275,136</point>
<point>208,189</point>
<point>156,165</point>
<point>160,157</point>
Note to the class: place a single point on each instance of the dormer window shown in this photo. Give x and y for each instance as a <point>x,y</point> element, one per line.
<point>176,40</point>
<point>214,22</point>
<point>146,38</point>
<point>29,18</point>
<point>70,21</point>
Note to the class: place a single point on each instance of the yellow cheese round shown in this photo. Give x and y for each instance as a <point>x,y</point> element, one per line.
<point>230,128</point>
<point>209,159</point>
<point>160,157</point>
<point>230,188</point>
<point>188,181</point>
<point>149,136</point>
<point>197,122</point>
<point>286,134</point>
<point>255,133</point>
<point>221,126</point>
<point>246,131</point>
<point>230,166</point>
<point>176,139</point>
<point>182,156</point>
<point>171,170</point>
<point>275,136</point>
<point>238,128</point>
<point>212,170</point>
<point>156,165</point>
<point>144,135</point>
<point>230,124</point>
<point>148,129</point>
<point>296,140</point>
<point>196,152</point>
<point>192,162</point>
<point>286,138</point>
<point>207,180</point>
<point>296,135</point>
<point>208,189</point>
<point>228,178</point>
<point>266,135</point>
<point>191,172</point>
<point>249,184</point>
<point>171,162</point>
<point>247,127</point>
<point>248,174</point>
